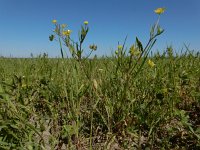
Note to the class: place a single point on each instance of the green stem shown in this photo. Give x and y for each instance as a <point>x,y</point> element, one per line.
<point>61,48</point>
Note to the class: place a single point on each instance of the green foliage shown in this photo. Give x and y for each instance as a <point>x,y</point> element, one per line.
<point>126,101</point>
<point>54,103</point>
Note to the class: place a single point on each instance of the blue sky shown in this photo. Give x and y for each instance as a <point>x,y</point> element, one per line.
<point>26,24</point>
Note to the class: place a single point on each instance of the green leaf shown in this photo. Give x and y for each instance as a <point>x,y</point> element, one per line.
<point>51,37</point>
<point>139,44</point>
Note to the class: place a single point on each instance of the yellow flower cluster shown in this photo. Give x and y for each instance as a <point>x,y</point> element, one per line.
<point>67,32</point>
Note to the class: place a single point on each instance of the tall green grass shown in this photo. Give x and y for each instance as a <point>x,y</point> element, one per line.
<point>100,103</point>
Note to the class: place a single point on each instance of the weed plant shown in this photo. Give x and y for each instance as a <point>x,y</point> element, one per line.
<point>127,101</point>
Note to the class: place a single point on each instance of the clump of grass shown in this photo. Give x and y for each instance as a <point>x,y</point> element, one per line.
<point>127,101</point>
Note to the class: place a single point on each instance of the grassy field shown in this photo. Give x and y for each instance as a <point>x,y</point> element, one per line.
<point>100,103</point>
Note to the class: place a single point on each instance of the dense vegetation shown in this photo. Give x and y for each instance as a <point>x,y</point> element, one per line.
<point>100,103</point>
<point>131,100</point>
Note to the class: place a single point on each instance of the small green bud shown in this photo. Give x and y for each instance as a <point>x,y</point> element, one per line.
<point>120,47</point>
<point>159,30</point>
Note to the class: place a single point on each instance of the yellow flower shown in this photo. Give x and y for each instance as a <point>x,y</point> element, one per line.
<point>134,51</point>
<point>86,22</point>
<point>67,32</point>
<point>151,63</point>
<point>159,11</point>
<point>63,25</point>
<point>54,21</point>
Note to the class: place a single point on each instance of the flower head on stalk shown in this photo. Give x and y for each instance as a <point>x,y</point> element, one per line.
<point>54,21</point>
<point>159,11</point>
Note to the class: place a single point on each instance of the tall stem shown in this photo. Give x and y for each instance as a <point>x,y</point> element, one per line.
<point>61,48</point>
